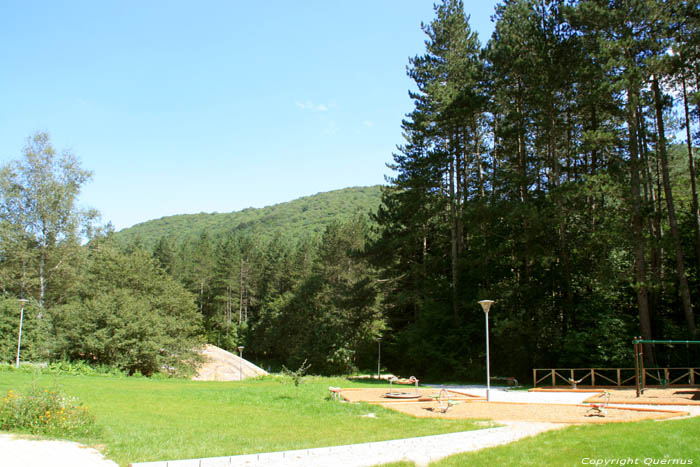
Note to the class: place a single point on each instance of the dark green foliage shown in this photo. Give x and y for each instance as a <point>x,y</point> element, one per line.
<point>129,314</point>
<point>324,316</point>
<point>295,219</point>
<point>35,328</point>
<point>548,199</point>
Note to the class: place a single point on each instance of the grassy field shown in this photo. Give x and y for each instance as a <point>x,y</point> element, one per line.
<point>672,442</point>
<point>148,419</point>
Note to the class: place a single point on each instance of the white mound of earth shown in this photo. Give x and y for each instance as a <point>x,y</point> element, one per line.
<point>221,365</point>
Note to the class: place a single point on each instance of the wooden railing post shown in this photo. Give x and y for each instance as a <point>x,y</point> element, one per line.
<point>554,381</point>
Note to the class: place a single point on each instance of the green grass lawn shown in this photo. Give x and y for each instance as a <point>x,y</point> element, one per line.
<point>154,419</point>
<point>641,443</point>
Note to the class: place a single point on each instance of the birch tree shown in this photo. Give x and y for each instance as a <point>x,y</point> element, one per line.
<point>38,206</point>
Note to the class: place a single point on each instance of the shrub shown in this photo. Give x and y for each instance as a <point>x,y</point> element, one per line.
<point>130,315</point>
<point>80,368</point>
<point>298,375</point>
<point>47,412</point>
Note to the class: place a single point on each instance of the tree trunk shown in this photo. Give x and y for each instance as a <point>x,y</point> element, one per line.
<point>691,169</point>
<point>640,273</point>
<point>42,273</point>
<point>523,187</point>
<point>453,233</point>
<point>682,279</point>
<point>651,196</point>
<point>462,183</point>
<point>240,294</point>
<point>201,297</point>
<point>569,313</point>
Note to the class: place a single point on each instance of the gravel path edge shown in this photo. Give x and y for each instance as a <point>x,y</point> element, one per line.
<point>422,450</point>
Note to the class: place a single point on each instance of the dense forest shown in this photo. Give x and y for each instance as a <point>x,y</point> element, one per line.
<point>302,217</point>
<point>551,169</point>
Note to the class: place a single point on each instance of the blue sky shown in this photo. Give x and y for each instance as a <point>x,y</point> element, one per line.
<point>185,107</point>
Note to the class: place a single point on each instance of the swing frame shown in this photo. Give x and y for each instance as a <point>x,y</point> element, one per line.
<point>639,370</point>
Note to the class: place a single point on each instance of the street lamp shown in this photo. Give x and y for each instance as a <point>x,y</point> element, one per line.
<point>240,362</point>
<point>486,305</point>
<point>22,301</point>
<point>379,358</point>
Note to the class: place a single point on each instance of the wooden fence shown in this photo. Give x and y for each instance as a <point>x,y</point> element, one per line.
<point>588,377</point>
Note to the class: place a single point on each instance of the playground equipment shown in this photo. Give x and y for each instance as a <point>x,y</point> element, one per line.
<point>335,392</point>
<point>641,373</point>
<point>574,382</point>
<point>444,401</point>
<point>599,410</point>
<point>402,395</point>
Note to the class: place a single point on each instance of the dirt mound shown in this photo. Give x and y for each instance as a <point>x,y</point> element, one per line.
<point>221,365</point>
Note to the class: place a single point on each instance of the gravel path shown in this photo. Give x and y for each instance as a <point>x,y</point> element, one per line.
<point>23,452</point>
<point>421,450</point>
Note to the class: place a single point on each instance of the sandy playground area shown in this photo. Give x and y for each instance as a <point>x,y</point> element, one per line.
<point>472,406</point>
<point>652,396</point>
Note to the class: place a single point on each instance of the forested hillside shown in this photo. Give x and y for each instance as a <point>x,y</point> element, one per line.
<point>296,219</point>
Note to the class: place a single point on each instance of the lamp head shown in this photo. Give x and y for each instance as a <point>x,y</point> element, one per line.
<point>240,348</point>
<point>486,305</point>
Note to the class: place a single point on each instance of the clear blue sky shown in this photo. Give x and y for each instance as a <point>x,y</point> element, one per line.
<point>185,107</point>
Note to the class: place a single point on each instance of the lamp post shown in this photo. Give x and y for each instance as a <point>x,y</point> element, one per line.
<point>22,301</point>
<point>240,362</point>
<point>379,358</point>
<point>486,305</point>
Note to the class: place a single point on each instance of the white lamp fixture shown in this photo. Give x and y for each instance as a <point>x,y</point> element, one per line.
<point>240,362</point>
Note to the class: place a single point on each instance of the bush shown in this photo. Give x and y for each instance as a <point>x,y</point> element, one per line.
<point>80,368</point>
<point>130,315</point>
<point>47,412</point>
<point>296,376</point>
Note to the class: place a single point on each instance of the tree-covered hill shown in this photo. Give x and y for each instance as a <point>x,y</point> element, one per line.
<point>298,218</point>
